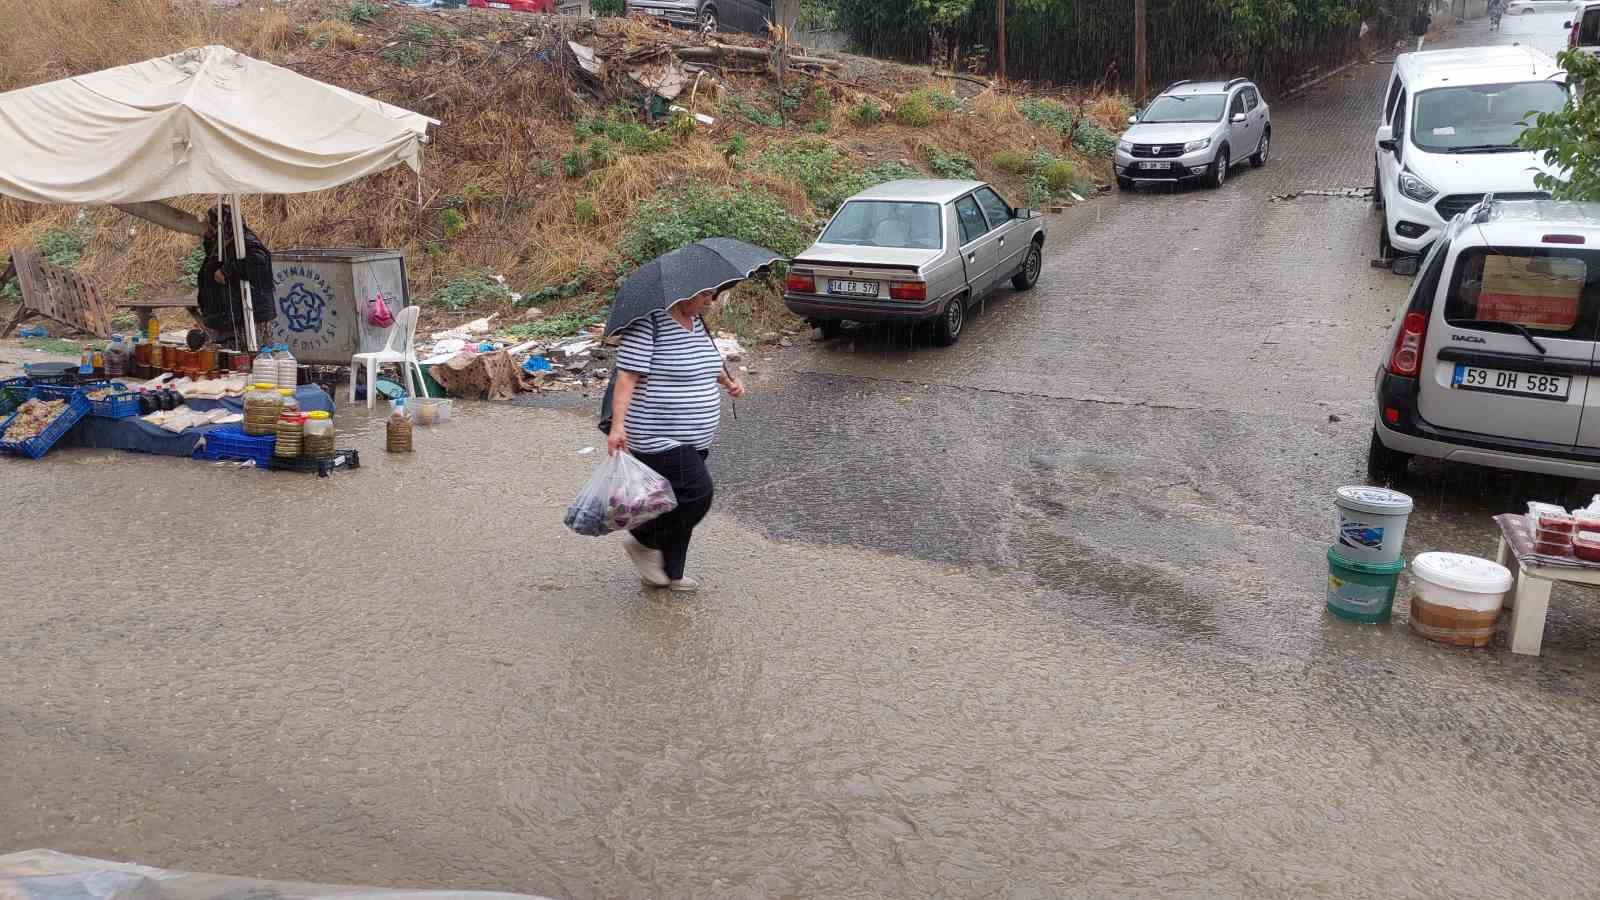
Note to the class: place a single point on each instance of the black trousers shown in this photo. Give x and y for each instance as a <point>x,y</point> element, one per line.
<point>685,469</point>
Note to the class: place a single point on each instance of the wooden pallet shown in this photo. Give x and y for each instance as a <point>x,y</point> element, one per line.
<point>60,295</point>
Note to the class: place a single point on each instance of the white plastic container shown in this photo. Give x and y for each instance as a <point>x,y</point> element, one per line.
<point>1456,599</point>
<point>1370,523</point>
<point>265,369</point>
<point>288,368</point>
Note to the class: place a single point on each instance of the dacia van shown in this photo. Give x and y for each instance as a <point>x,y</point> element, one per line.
<point>1493,360</point>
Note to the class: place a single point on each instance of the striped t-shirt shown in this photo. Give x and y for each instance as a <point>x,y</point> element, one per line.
<point>678,401</point>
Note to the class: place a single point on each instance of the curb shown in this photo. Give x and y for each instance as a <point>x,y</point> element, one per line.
<point>1298,89</point>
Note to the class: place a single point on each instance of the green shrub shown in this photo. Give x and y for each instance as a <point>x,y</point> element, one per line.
<point>574,163</point>
<point>679,216</point>
<point>1048,113</point>
<point>915,111</point>
<point>865,113</point>
<point>452,223</point>
<point>360,11</point>
<point>816,166</point>
<point>619,127</point>
<point>62,246</point>
<point>555,326</point>
<point>882,172</point>
<point>941,101</point>
<point>820,126</point>
<point>1092,140</point>
<point>734,148</point>
<point>753,113</point>
<point>608,7</point>
<point>473,289</point>
<point>950,165</point>
<point>1060,176</point>
<point>585,211</point>
<point>602,153</point>
<point>406,56</point>
<point>1012,161</point>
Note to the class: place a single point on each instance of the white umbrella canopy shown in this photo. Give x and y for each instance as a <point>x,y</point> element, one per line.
<point>208,120</point>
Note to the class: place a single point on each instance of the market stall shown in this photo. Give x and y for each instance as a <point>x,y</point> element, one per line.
<point>213,122</point>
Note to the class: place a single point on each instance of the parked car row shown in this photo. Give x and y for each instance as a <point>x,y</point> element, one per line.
<point>1494,359</point>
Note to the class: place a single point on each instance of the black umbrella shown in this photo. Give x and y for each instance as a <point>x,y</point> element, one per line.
<point>711,264</point>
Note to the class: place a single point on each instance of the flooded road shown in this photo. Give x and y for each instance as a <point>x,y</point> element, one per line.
<point>1040,616</point>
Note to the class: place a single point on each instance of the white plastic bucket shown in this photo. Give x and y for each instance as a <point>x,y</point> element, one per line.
<point>1456,599</point>
<point>1369,523</point>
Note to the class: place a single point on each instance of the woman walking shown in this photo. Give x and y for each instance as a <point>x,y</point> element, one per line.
<point>666,406</point>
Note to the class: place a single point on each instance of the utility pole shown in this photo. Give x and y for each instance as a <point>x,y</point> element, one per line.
<point>1141,75</point>
<point>1001,13</point>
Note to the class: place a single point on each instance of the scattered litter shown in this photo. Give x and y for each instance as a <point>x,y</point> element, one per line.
<point>582,346</point>
<point>536,364</point>
<point>1074,196</point>
<point>730,348</point>
<point>439,358</point>
<point>1362,193</point>
<point>702,118</point>
<point>586,451</point>
<point>449,347</point>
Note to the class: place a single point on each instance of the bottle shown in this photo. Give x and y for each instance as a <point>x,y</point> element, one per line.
<point>86,363</point>
<point>263,406</point>
<point>288,368</point>
<point>116,357</point>
<point>290,404</point>
<point>155,329</point>
<point>265,369</point>
<point>319,436</point>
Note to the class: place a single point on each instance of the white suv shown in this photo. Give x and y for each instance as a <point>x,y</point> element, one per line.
<point>1447,135</point>
<point>1494,359</point>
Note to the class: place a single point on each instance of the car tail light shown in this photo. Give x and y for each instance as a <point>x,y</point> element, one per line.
<point>800,284</point>
<point>908,290</point>
<point>1391,415</point>
<point>1563,239</point>
<point>1407,357</point>
<point>1577,25</point>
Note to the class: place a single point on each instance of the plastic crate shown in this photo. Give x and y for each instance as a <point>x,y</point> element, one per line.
<point>229,442</point>
<point>13,393</point>
<point>120,405</point>
<point>35,447</point>
<point>341,459</point>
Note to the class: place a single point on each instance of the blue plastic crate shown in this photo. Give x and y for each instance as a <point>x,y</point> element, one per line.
<point>120,405</point>
<point>35,447</point>
<point>13,393</point>
<point>229,442</point>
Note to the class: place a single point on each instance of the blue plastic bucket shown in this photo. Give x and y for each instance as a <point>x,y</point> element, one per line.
<point>1362,592</point>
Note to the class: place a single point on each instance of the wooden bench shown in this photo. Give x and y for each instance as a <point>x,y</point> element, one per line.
<point>146,308</point>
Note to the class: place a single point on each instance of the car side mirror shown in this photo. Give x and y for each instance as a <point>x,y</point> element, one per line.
<point>1566,26</point>
<point>1238,119</point>
<point>1386,139</point>
<point>1022,212</point>
<point>1133,120</point>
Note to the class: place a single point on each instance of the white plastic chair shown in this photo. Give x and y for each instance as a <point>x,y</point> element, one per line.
<point>399,348</point>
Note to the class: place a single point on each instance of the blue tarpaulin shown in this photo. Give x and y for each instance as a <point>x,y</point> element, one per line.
<point>136,434</point>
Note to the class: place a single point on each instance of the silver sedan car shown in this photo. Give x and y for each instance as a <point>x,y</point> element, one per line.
<point>914,251</point>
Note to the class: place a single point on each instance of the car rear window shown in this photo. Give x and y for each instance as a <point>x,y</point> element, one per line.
<point>886,223</point>
<point>1547,292</point>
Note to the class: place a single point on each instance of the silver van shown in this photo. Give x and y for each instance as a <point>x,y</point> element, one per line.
<point>1493,360</point>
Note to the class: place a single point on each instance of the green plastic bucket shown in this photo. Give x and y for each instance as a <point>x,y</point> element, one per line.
<point>1362,592</point>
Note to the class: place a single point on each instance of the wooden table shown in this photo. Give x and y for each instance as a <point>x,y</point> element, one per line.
<point>146,308</point>
<point>1530,594</point>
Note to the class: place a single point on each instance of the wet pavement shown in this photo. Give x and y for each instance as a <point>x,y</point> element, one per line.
<point>1039,615</point>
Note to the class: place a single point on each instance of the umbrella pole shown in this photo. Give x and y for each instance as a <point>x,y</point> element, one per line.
<point>251,343</point>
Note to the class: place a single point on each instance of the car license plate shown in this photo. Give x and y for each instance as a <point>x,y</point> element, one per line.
<point>1156,165</point>
<point>853,288</point>
<point>1522,384</point>
<point>658,12</point>
<point>493,5</point>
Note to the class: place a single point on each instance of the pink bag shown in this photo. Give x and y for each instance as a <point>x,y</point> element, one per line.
<point>378,312</point>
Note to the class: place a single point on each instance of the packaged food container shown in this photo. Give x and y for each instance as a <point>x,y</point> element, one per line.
<point>290,404</point>
<point>1370,523</point>
<point>1362,592</point>
<point>1535,508</point>
<point>291,434</point>
<point>398,433</point>
<point>1586,545</point>
<point>1554,522</point>
<point>262,407</point>
<point>1456,598</point>
<point>319,436</point>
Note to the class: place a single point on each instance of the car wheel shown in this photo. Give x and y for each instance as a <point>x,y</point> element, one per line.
<point>947,330</point>
<point>1377,189</point>
<point>708,20</point>
<point>1031,264</point>
<point>1124,184</point>
<point>1259,158</point>
<point>1219,173</point>
<point>1385,249</point>
<point>1385,466</point>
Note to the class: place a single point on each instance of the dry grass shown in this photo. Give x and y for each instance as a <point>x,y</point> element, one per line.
<point>495,161</point>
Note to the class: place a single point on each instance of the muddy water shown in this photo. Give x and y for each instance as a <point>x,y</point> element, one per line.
<point>411,675</point>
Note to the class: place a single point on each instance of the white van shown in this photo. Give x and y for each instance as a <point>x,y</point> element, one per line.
<point>1493,360</point>
<point>1584,28</point>
<point>1447,135</point>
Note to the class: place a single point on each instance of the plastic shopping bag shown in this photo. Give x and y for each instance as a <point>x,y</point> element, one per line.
<point>622,493</point>
<point>378,314</point>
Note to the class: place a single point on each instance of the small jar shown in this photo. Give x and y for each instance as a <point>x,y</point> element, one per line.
<point>291,435</point>
<point>398,432</point>
<point>262,407</point>
<point>319,436</point>
<point>290,404</point>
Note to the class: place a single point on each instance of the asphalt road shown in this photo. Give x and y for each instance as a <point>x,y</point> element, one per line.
<point>1036,616</point>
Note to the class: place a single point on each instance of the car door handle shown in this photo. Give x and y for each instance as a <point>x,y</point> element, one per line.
<point>1002,240</point>
<point>972,257</point>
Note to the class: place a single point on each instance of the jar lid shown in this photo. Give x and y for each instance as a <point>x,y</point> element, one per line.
<point>287,392</point>
<point>292,417</point>
<point>1461,572</point>
<point>263,386</point>
<point>1380,501</point>
<point>317,414</point>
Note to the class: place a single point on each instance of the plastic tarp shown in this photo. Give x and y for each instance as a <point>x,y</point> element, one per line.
<point>60,876</point>
<point>208,120</point>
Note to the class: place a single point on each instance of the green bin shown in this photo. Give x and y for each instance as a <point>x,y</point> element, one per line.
<point>1362,592</point>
